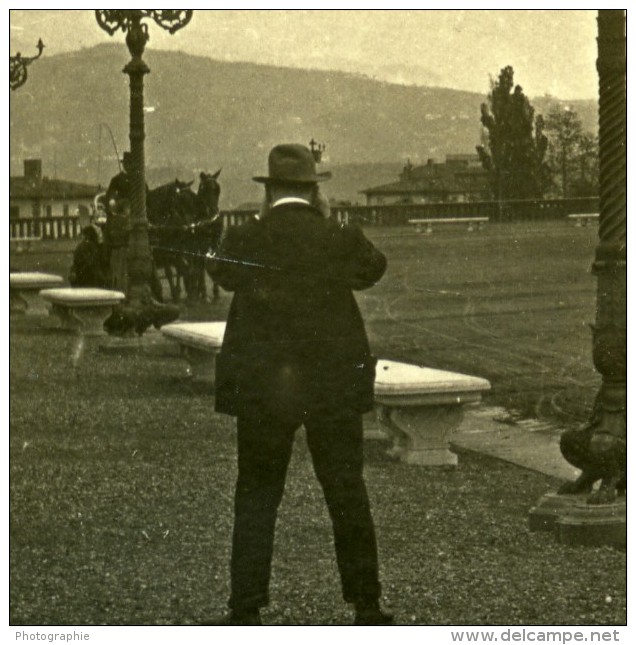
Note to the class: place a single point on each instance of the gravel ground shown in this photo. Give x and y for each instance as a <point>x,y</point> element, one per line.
<point>121,509</point>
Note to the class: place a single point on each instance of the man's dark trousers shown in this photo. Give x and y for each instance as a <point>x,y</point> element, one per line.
<point>264,451</point>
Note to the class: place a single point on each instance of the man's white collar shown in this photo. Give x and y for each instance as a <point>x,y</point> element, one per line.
<point>290,200</point>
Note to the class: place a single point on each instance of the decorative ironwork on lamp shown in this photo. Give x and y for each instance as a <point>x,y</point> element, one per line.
<point>317,149</point>
<point>110,20</point>
<point>18,67</point>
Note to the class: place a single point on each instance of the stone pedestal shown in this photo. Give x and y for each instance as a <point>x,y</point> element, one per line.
<point>199,344</point>
<point>575,522</point>
<point>421,434</point>
<point>24,290</point>
<point>586,524</point>
<point>544,516</point>
<point>82,310</point>
<point>421,407</point>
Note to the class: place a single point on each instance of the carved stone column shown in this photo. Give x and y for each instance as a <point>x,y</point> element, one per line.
<point>600,448</point>
<point>609,441</point>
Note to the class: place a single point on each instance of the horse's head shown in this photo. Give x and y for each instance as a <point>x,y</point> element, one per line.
<point>180,186</point>
<point>164,204</point>
<point>209,193</point>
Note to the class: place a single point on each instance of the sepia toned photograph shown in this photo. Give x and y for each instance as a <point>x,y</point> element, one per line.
<point>318,317</point>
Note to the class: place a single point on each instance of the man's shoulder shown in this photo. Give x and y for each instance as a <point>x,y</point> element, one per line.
<point>243,231</point>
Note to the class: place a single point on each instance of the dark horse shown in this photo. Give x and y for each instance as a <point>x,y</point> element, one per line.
<point>185,226</point>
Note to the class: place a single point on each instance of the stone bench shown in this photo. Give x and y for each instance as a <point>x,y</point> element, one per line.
<point>24,289</point>
<point>421,407</point>
<point>82,310</point>
<point>582,219</point>
<point>199,342</point>
<point>418,406</point>
<point>471,221</point>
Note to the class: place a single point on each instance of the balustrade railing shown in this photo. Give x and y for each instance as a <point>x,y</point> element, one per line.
<point>44,228</point>
<point>509,211</point>
<point>68,228</point>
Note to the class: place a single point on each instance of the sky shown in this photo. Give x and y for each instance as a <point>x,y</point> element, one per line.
<point>552,51</point>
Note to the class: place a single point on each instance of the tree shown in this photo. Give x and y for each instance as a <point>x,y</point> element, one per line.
<point>587,182</point>
<point>514,144</point>
<point>572,153</point>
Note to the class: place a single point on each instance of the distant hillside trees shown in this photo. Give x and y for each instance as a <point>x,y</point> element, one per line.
<point>514,145</point>
<point>572,154</point>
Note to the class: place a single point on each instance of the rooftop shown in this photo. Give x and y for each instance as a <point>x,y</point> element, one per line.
<point>459,174</point>
<point>24,188</point>
<point>33,185</point>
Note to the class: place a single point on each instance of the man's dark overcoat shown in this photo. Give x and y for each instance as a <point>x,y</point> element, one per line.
<point>295,341</point>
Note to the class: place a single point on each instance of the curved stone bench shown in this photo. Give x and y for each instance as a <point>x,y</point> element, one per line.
<point>24,289</point>
<point>583,219</point>
<point>82,310</point>
<point>421,407</point>
<point>479,221</point>
<point>199,342</point>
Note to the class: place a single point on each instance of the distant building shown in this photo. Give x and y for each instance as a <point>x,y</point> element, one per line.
<point>459,179</point>
<point>36,196</point>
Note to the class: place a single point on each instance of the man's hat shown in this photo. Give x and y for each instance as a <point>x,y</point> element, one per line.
<point>292,163</point>
<point>126,157</point>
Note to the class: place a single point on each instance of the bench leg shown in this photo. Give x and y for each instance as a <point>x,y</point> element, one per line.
<point>202,363</point>
<point>17,304</point>
<point>375,428</point>
<point>87,321</point>
<point>28,301</point>
<point>398,437</point>
<point>421,433</point>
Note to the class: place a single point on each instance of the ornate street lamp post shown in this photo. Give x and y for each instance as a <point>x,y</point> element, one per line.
<point>316,150</point>
<point>140,307</point>
<point>18,67</point>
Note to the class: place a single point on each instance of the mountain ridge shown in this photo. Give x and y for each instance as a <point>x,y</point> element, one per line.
<point>202,114</point>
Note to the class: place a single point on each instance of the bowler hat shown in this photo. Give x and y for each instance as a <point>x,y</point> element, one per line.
<point>292,163</point>
<point>126,157</point>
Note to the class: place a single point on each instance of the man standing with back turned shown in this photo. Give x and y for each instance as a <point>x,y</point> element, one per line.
<point>296,353</point>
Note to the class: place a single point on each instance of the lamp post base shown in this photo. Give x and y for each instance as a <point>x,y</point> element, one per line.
<point>576,522</point>
<point>135,317</point>
<point>594,524</point>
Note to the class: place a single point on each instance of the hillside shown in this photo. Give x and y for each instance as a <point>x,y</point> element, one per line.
<point>203,114</point>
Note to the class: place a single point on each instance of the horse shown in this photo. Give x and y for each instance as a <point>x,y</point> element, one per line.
<point>185,227</point>
<point>166,232</point>
<point>206,232</point>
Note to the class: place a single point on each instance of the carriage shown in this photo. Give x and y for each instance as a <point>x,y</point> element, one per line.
<point>183,227</point>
